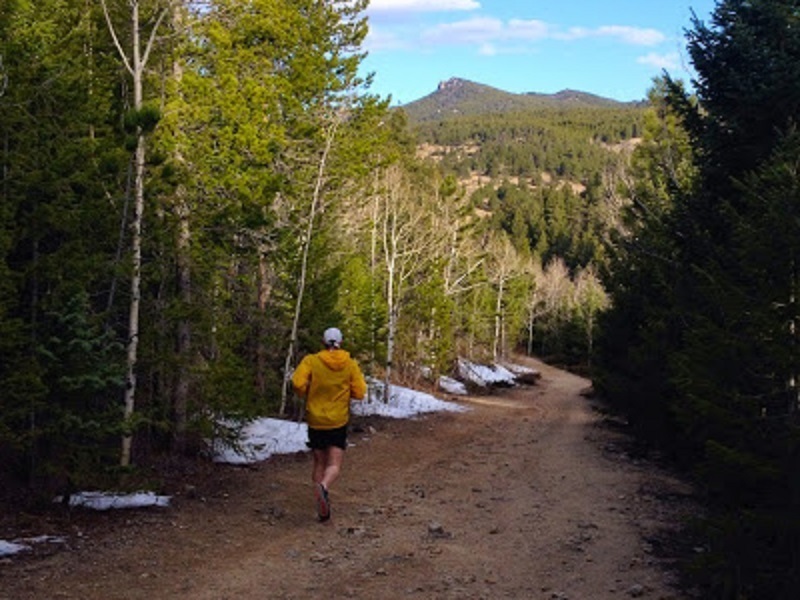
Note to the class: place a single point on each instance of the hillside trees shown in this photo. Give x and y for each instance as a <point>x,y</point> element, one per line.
<point>567,144</point>
<point>504,274</point>
<point>556,236</point>
<point>276,197</point>
<point>407,240</point>
<point>543,184</point>
<point>711,299</point>
<point>240,99</point>
<point>268,95</point>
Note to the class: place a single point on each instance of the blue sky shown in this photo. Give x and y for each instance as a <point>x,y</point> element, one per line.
<point>612,48</point>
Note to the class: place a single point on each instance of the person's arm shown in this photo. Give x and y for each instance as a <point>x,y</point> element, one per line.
<point>358,386</point>
<point>301,378</point>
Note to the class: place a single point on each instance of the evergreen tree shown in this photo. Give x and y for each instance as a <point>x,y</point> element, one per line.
<point>61,163</point>
<point>640,331</point>
<point>718,306</point>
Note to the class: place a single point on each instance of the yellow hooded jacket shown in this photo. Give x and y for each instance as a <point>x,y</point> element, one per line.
<point>327,380</point>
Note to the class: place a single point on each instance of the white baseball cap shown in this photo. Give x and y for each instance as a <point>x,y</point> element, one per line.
<point>332,337</point>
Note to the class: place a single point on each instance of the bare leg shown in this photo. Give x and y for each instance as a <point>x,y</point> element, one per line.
<point>327,465</point>
<point>326,469</point>
<point>334,456</point>
<point>318,469</point>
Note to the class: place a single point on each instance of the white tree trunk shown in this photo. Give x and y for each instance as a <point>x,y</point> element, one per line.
<point>180,404</point>
<point>135,64</point>
<point>316,199</point>
<point>497,344</point>
<point>136,246</point>
<point>392,326</point>
<point>184,342</point>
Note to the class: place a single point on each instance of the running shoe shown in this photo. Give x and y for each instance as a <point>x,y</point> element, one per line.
<point>323,502</point>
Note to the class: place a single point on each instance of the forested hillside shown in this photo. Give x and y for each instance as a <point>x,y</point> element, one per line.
<point>191,192</point>
<point>460,97</point>
<point>475,129</point>
<point>546,171</point>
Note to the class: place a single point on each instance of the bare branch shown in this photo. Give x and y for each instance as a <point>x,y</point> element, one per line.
<point>153,33</point>
<point>117,43</point>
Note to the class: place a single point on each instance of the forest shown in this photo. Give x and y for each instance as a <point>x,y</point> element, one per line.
<point>191,192</point>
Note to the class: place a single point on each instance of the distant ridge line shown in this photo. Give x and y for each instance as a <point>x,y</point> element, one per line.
<point>458,97</point>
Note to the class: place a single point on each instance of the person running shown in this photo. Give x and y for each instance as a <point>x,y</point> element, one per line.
<point>328,380</point>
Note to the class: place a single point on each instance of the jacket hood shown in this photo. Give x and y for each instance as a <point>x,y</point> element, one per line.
<point>336,360</point>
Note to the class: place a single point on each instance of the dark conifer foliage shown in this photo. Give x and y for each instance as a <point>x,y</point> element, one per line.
<point>235,99</point>
<point>60,157</point>
<point>709,295</point>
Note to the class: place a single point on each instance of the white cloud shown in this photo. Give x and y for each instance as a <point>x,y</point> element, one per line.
<point>637,36</point>
<point>488,30</point>
<point>489,35</point>
<point>422,5</point>
<point>633,35</point>
<point>528,30</point>
<point>487,50</point>
<point>670,61</point>
<point>380,39</point>
<point>480,30</point>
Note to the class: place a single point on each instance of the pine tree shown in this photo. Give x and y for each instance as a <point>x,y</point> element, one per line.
<point>714,300</point>
<point>61,160</point>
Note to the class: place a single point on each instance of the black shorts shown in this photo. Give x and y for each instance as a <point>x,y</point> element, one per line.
<point>320,439</point>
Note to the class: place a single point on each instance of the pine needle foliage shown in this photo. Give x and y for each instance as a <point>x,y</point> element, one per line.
<point>700,347</point>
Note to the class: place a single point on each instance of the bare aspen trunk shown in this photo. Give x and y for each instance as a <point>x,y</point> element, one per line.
<point>135,64</point>
<point>392,326</point>
<point>529,345</point>
<point>373,266</point>
<point>301,285</point>
<point>180,404</point>
<point>263,298</point>
<point>136,246</point>
<point>133,315</point>
<point>390,249</point>
<point>498,321</point>
<point>184,342</point>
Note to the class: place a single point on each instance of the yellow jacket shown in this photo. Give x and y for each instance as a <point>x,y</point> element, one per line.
<point>327,380</point>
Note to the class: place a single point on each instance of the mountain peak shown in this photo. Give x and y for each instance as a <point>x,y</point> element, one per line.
<point>456,96</point>
<point>451,84</point>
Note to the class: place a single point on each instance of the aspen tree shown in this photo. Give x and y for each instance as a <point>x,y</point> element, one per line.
<point>135,57</point>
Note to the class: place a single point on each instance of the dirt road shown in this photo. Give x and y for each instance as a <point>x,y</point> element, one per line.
<point>525,495</point>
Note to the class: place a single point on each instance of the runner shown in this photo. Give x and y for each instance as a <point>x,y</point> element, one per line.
<point>328,380</point>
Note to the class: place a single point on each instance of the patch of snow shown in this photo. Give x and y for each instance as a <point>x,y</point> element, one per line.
<point>403,403</point>
<point>262,438</point>
<point>40,539</point>
<point>485,375</point>
<point>9,548</point>
<point>24,544</point>
<point>109,500</point>
<point>452,386</point>
<point>520,369</point>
